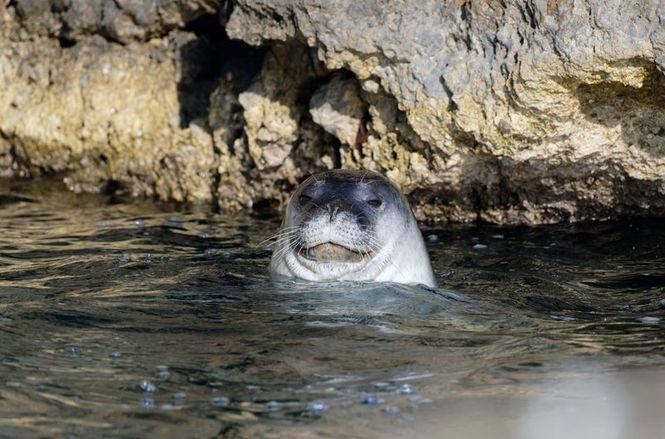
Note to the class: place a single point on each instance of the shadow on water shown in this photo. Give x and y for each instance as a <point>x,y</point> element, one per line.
<point>127,319</point>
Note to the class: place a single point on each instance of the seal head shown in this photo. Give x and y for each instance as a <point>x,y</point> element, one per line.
<point>351,225</point>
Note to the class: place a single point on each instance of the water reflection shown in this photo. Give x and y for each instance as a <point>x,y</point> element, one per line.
<point>136,319</point>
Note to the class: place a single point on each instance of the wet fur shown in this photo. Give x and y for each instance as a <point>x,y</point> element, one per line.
<point>387,237</point>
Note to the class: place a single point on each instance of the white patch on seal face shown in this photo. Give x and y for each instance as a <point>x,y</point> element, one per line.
<point>330,243</point>
<point>340,235</point>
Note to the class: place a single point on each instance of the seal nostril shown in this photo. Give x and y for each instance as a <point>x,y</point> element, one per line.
<point>332,210</point>
<point>304,199</point>
<point>375,202</point>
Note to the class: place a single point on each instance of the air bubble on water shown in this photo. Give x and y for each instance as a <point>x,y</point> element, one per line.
<point>562,318</point>
<point>163,372</point>
<point>317,407</point>
<point>498,236</point>
<point>166,407</point>
<point>406,389</point>
<point>139,223</point>
<point>148,259</point>
<point>220,401</point>
<point>179,398</point>
<point>446,275</point>
<point>204,235</point>
<point>417,399</point>
<point>124,258</point>
<point>76,398</point>
<point>116,355</point>
<point>147,402</point>
<point>390,410</point>
<point>73,351</point>
<point>174,220</point>
<point>480,247</point>
<point>273,406</point>
<point>475,239</point>
<point>650,320</point>
<point>372,400</point>
<point>433,238</point>
<point>147,386</point>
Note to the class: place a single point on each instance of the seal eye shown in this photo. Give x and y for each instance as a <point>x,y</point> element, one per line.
<point>375,202</point>
<point>304,199</point>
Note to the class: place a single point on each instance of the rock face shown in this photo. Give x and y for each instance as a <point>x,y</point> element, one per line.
<point>509,112</point>
<point>102,113</point>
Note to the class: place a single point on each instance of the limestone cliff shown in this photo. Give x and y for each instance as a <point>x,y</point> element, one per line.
<point>510,112</point>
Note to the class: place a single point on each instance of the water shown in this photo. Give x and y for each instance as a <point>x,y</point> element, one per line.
<point>121,318</point>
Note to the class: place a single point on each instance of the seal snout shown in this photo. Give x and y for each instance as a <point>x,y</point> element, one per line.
<point>335,231</point>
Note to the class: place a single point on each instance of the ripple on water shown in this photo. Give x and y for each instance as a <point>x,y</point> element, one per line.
<point>134,319</point>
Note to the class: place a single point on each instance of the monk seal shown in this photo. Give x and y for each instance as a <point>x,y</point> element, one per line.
<point>350,225</point>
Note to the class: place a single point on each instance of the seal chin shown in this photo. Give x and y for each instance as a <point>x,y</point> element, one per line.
<point>330,252</point>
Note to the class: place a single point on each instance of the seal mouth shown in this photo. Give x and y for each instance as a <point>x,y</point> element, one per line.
<point>329,252</point>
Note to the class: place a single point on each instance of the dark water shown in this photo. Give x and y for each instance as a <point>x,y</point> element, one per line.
<point>137,319</point>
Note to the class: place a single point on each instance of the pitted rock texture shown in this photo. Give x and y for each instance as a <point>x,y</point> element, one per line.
<point>147,98</point>
<point>519,112</point>
<point>119,20</point>
<point>338,108</point>
<point>91,112</point>
<point>508,112</point>
<point>105,115</point>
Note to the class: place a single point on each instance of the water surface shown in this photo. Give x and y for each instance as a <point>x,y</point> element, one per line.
<point>138,319</point>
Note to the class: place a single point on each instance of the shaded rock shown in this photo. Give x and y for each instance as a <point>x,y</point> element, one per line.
<point>337,107</point>
<point>271,112</point>
<point>119,20</point>
<point>280,145</point>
